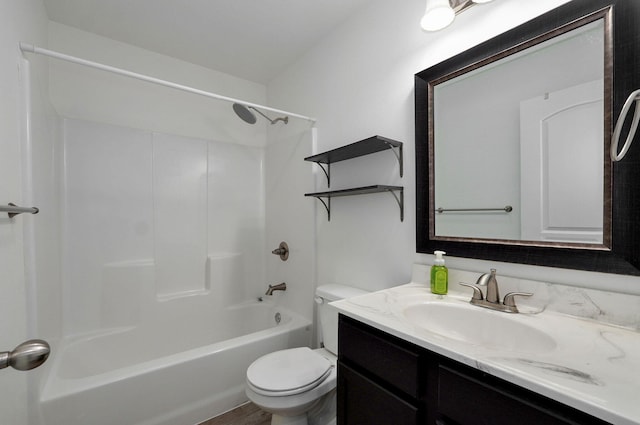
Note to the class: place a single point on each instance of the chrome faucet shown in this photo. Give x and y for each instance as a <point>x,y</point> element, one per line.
<point>279,287</point>
<point>489,280</point>
<point>492,300</point>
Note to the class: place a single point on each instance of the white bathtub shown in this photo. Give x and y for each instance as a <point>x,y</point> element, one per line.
<point>174,372</point>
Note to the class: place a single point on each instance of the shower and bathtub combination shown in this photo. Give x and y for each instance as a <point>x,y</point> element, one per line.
<point>164,262</point>
<point>162,374</point>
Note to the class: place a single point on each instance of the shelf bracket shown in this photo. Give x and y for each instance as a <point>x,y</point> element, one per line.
<point>400,201</point>
<point>397,151</point>
<point>327,206</point>
<point>327,172</point>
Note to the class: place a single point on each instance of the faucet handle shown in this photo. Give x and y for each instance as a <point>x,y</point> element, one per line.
<point>477,293</point>
<point>509,299</point>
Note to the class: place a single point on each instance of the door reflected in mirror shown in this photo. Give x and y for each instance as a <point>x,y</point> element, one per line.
<point>518,143</point>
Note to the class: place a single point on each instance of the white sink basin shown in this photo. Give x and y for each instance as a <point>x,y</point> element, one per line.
<point>478,326</point>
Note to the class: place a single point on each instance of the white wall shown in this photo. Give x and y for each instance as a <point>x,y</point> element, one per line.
<point>358,82</point>
<point>19,21</point>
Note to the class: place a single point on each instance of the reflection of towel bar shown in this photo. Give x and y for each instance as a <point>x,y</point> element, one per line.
<point>508,209</point>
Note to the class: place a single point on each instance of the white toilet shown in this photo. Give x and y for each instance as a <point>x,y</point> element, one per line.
<point>297,386</point>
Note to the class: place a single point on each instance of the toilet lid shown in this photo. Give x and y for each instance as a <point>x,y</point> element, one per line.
<point>288,372</point>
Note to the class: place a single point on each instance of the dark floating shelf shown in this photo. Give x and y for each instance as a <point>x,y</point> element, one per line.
<point>363,147</point>
<point>355,191</point>
<point>360,191</point>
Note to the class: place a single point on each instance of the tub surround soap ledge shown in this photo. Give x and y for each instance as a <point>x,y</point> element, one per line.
<point>593,367</point>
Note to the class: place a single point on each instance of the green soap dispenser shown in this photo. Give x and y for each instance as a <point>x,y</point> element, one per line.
<point>439,275</point>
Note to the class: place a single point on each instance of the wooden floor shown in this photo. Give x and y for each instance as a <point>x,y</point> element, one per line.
<point>247,414</point>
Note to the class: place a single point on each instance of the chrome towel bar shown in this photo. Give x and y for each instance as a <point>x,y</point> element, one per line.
<point>12,209</point>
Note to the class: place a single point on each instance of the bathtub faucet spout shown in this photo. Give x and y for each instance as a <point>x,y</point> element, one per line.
<point>279,287</point>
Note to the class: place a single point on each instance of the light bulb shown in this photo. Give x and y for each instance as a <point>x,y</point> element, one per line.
<point>438,14</point>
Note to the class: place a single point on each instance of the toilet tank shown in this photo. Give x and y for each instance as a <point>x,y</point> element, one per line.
<point>327,315</point>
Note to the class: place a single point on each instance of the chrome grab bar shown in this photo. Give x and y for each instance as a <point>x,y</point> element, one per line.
<point>26,356</point>
<point>13,210</point>
<point>508,209</point>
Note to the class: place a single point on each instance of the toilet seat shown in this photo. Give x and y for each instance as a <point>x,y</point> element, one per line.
<point>288,372</point>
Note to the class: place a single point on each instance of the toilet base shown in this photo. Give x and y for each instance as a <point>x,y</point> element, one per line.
<point>323,413</point>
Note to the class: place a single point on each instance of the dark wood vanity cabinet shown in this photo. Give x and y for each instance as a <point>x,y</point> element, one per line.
<point>384,380</point>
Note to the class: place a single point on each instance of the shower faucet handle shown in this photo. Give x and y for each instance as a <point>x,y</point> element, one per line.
<point>282,250</point>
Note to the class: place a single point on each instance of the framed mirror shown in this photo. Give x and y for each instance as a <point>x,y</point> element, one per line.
<point>512,140</point>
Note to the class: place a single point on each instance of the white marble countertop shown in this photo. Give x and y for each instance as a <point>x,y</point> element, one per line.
<point>594,367</point>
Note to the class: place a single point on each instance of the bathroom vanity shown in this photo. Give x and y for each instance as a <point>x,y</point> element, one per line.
<point>407,356</point>
<point>383,379</point>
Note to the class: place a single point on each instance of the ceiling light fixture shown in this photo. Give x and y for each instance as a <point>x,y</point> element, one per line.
<point>440,13</point>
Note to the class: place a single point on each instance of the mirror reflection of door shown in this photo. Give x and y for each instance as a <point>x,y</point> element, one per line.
<point>561,153</point>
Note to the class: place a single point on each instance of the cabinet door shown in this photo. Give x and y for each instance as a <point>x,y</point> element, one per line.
<point>470,401</point>
<point>385,358</point>
<point>363,402</point>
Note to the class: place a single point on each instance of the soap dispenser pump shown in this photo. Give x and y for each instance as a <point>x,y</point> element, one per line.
<point>439,275</point>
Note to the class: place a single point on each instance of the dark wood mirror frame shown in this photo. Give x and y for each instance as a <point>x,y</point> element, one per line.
<point>624,255</point>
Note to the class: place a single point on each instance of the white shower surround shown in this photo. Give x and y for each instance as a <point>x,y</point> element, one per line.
<point>192,208</point>
<point>164,258</point>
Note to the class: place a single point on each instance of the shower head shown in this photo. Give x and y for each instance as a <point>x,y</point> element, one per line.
<point>244,113</point>
<point>249,117</point>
